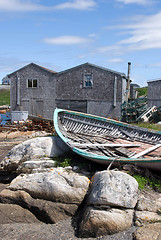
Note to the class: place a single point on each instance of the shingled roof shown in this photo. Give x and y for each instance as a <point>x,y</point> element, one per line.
<point>43,68</point>
<point>93,65</point>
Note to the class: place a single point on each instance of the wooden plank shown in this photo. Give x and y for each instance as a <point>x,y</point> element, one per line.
<point>87,122</point>
<point>147,151</point>
<point>124,152</point>
<point>8,128</point>
<point>126,133</point>
<point>36,118</point>
<point>104,145</point>
<point>107,152</point>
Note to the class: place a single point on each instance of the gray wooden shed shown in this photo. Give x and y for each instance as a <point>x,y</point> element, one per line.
<point>92,89</point>
<point>33,89</point>
<point>154,93</point>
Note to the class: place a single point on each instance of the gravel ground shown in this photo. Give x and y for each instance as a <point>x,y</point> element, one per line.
<point>60,231</point>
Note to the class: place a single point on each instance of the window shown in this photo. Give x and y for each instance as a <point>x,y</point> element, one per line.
<point>29,83</point>
<point>88,80</point>
<point>32,83</point>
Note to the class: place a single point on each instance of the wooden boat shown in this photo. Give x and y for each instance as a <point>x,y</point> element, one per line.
<point>108,141</point>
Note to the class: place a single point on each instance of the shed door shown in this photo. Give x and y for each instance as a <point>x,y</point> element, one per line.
<point>25,105</point>
<point>37,107</point>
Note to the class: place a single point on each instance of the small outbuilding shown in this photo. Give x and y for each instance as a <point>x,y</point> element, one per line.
<point>6,80</point>
<point>133,91</point>
<point>32,89</point>
<point>154,93</point>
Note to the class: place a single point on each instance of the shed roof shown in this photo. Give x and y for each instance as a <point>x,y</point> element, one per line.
<point>43,68</point>
<point>154,80</point>
<point>134,85</point>
<point>93,65</point>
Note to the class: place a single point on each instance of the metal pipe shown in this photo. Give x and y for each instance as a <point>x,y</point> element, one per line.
<point>114,91</point>
<point>18,89</point>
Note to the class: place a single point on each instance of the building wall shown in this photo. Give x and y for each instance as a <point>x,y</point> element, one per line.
<point>75,105</point>
<point>66,90</point>
<point>104,98</point>
<point>154,93</point>
<point>37,101</point>
<point>104,109</point>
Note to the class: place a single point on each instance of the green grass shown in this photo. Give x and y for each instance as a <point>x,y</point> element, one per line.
<point>4,97</point>
<point>62,161</point>
<point>153,126</point>
<point>145,182</point>
<point>141,181</point>
<point>142,91</point>
<point>72,160</point>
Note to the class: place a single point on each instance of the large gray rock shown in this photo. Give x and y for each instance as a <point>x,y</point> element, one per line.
<point>113,188</point>
<point>110,204</point>
<point>144,217</point>
<point>45,210</point>
<point>149,232</point>
<point>149,201</point>
<point>100,222</point>
<point>33,150</point>
<point>55,195</point>
<point>42,164</point>
<point>56,185</point>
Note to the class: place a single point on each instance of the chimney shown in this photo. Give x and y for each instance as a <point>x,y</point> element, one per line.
<point>129,69</point>
<point>128,81</point>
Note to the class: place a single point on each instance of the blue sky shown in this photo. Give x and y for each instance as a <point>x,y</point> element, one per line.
<point>65,33</point>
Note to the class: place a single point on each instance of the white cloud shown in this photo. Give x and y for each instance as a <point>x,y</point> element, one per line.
<point>158,64</point>
<point>20,6</point>
<point>140,2</point>
<point>66,40</point>
<point>115,60</point>
<point>141,35</point>
<point>145,34</point>
<point>92,35</point>
<point>109,48</point>
<point>77,4</point>
<point>27,6</point>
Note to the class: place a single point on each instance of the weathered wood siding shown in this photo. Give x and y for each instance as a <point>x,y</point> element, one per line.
<point>154,93</point>
<point>80,106</point>
<point>104,109</point>
<point>39,100</point>
<point>100,98</point>
<point>66,90</point>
